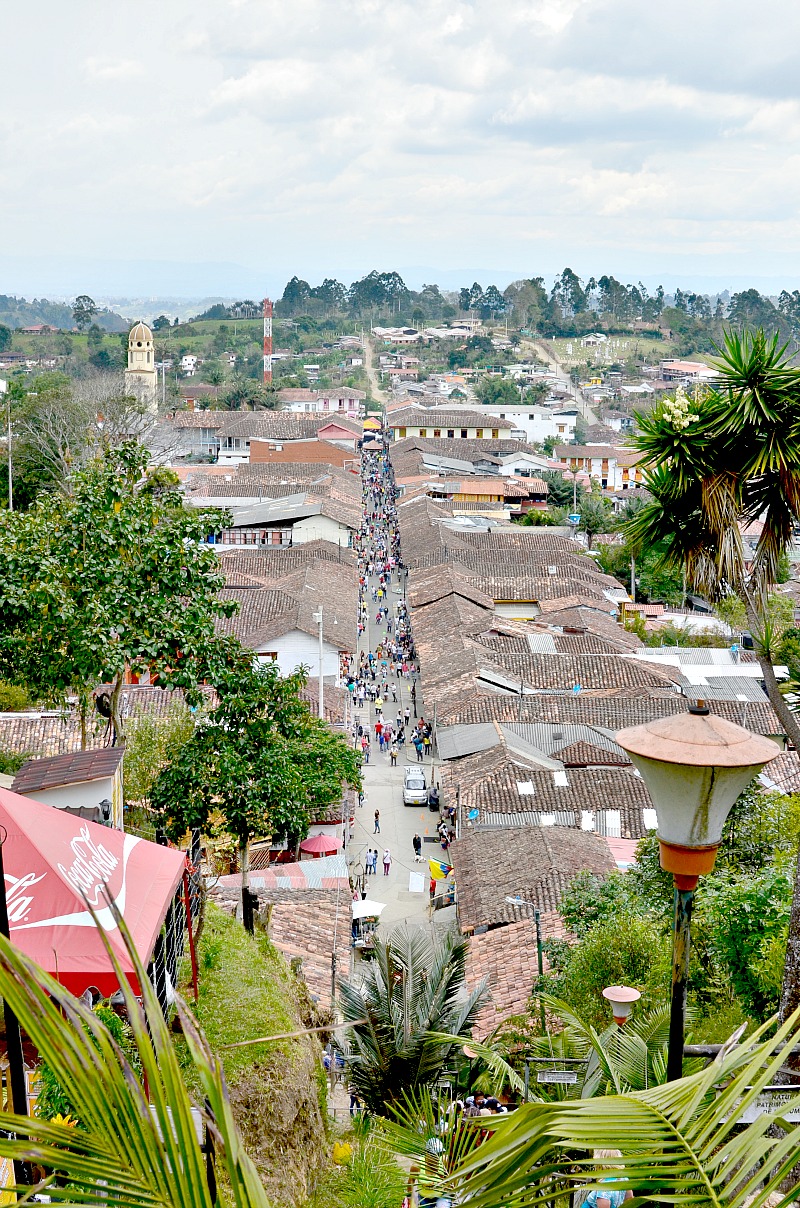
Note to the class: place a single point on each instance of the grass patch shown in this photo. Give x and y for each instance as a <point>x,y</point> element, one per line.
<point>372,1179</point>
<point>246,991</point>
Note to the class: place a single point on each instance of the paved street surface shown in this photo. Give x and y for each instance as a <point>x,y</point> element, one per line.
<point>383,790</point>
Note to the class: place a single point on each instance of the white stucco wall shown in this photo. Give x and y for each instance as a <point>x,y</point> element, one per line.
<point>541,426</point>
<point>87,794</point>
<point>312,528</point>
<point>296,647</point>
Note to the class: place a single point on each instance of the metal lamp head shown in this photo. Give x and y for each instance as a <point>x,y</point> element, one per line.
<point>621,1000</point>
<point>695,765</point>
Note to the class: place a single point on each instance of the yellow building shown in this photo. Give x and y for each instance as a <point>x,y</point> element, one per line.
<point>141,376</point>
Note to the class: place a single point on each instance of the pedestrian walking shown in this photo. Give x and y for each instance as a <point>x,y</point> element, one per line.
<point>377,830</point>
<point>387,861</point>
<point>417,842</point>
<point>393,753</point>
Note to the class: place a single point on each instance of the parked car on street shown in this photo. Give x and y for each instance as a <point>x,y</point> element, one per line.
<point>415,789</point>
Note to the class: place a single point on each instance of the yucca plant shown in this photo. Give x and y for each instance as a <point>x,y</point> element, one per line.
<point>134,1147</point>
<point>711,464</point>
<point>679,1142</point>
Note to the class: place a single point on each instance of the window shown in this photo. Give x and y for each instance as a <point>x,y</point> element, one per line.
<point>479,432</point>
<point>502,415</point>
<point>463,433</point>
<point>451,433</point>
<point>401,432</point>
<point>495,433</point>
<point>423,431</point>
<point>437,431</point>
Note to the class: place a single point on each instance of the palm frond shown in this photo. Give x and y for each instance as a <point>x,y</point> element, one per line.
<point>679,1141</point>
<point>132,1148</point>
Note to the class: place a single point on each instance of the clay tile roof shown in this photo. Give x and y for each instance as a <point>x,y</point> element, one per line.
<point>587,755</point>
<point>55,771</point>
<point>507,959</point>
<point>309,926</point>
<point>200,419</point>
<point>530,862</point>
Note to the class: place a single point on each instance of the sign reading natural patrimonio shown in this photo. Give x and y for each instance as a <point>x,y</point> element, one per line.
<point>773,1101</point>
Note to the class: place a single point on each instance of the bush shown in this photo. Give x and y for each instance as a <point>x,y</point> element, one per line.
<point>627,950</point>
<point>11,762</point>
<point>13,698</point>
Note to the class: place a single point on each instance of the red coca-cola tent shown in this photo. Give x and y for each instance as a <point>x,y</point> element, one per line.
<point>54,864</point>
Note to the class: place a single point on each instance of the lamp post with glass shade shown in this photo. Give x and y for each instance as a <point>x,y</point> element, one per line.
<point>695,765</point>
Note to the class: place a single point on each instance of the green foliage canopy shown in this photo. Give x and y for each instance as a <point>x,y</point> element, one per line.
<point>110,577</point>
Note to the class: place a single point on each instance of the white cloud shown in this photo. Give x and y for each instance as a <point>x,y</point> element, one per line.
<point>613,135</point>
<point>114,69</point>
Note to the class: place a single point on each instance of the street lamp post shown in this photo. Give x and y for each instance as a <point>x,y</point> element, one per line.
<point>317,616</point>
<point>695,766</point>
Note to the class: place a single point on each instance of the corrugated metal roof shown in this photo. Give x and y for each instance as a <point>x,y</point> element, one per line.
<point>454,742</point>
<point>542,643</point>
<point>693,655</point>
<point>734,687</point>
<point>529,818</point>
<point>551,737</point>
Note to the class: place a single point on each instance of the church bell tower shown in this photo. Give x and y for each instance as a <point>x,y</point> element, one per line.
<point>141,376</point>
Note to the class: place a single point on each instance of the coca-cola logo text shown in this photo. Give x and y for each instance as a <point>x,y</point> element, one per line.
<point>91,868</point>
<point>19,902</point>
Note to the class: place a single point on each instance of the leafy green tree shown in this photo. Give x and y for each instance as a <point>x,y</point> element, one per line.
<point>110,578</point>
<point>562,491</point>
<point>741,916</point>
<point>151,742</point>
<point>6,336</point>
<point>412,994</point>
<point>83,311</point>
<point>247,394</point>
<point>569,294</point>
<point>789,652</point>
<point>492,303</point>
<point>494,391</point>
<point>257,766</point>
<point>626,949</point>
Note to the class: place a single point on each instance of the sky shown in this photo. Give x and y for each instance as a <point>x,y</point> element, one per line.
<point>221,146</point>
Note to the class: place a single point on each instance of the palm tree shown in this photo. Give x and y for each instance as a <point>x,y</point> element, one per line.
<point>712,464</point>
<point>679,1142</point>
<point>618,1060</point>
<point>596,516</point>
<point>136,1143</point>
<point>408,1014</point>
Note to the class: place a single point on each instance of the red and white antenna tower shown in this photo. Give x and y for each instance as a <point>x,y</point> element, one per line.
<point>267,342</point>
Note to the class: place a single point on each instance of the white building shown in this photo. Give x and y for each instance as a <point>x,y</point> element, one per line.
<point>539,422</point>
<point>189,363</point>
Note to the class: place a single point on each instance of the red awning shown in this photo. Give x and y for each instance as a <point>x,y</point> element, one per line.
<point>321,844</point>
<point>54,863</point>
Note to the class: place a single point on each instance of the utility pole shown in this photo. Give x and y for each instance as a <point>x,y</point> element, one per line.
<point>4,390</point>
<point>318,618</point>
